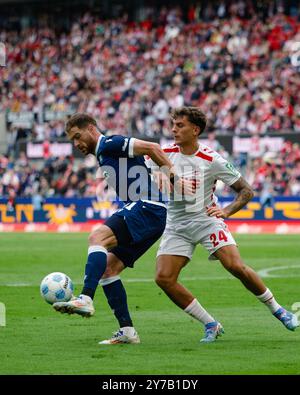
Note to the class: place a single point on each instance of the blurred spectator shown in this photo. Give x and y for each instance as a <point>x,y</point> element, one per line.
<point>213,143</point>
<point>267,193</point>
<point>10,180</point>
<point>37,200</point>
<point>11,203</point>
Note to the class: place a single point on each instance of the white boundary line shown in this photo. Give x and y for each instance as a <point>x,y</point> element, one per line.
<point>264,273</point>
<point>126,280</point>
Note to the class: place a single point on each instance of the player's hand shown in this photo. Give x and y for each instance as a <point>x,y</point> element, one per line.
<point>186,186</point>
<point>216,211</point>
<point>163,182</point>
<point>183,186</point>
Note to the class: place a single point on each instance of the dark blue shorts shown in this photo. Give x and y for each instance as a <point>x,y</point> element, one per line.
<point>137,226</point>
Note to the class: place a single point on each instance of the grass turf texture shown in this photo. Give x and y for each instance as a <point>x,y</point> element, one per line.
<point>38,340</point>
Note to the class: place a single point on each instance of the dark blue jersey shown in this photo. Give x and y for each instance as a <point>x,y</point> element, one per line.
<point>127,174</point>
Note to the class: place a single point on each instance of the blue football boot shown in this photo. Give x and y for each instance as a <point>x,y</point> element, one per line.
<point>212,331</point>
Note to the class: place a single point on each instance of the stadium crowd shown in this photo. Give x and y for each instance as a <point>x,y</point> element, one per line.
<point>239,63</point>
<point>269,175</point>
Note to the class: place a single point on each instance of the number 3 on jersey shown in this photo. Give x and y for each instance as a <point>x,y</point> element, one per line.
<point>215,239</point>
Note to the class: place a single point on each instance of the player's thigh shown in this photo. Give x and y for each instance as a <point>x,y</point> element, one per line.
<point>118,226</point>
<point>114,266</point>
<point>169,266</point>
<point>215,236</point>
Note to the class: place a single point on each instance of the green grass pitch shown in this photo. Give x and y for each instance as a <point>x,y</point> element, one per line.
<point>38,340</point>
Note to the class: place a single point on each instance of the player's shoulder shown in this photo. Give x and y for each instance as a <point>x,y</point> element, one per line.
<point>112,137</point>
<point>206,153</point>
<point>171,148</point>
<point>114,141</point>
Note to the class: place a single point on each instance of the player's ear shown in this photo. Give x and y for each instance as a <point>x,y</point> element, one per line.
<point>90,128</point>
<point>197,130</point>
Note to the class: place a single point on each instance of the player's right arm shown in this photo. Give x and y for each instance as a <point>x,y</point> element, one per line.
<point>154,151</point>
<point>120,146</point>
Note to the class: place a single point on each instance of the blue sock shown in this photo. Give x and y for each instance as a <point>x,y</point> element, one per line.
<point>117,299</point>
<point>94,269</point>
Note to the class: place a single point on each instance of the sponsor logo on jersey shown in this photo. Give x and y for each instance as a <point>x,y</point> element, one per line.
<point>232,169</point>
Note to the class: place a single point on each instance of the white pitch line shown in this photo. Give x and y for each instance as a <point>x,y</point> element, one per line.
<point>147,280</point>
<point>126,280</point>
<point>264,273</point>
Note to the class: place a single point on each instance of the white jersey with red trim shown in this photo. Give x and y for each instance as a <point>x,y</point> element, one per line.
<point>206,166</point>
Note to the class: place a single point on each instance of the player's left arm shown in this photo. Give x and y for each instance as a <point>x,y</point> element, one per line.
<point>166,168</point>
<point>244,195</point>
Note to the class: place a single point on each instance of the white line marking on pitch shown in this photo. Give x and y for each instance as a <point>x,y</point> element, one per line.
<point>127,280</point>
<point>264,273</point>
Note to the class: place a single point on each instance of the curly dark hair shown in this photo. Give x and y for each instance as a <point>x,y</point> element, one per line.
<point>193,114</point>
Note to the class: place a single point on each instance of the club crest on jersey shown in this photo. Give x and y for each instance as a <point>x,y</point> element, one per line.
<point>105,174</point>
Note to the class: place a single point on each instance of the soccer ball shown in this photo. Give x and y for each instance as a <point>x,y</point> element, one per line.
<point>56,287</point>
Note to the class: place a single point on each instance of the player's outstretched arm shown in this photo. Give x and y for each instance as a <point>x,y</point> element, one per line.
<point>244,195</point>
<point>155,152</point>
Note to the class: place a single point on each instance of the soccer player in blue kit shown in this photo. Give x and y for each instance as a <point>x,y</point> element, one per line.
<point>130,231</point>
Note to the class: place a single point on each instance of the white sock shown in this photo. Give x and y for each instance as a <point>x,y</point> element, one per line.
<point>268,299</point>
<point>198,312</point>
<point>128,330</point>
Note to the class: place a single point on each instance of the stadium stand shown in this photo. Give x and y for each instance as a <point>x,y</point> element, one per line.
<point>235,63</point>
<point>238,61</point>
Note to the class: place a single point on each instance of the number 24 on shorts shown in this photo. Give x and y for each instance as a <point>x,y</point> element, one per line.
<point>216,238</point>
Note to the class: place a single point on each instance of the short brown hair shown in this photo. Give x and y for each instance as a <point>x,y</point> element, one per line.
<point>81,120</point>
<point>193,114</point>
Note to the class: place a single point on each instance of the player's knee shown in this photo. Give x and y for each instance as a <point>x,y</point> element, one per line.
<point>96,237</point>
<point>164,281</point>
<point>110,272</point>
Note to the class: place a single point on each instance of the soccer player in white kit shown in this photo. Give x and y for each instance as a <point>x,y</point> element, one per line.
<point>201,221</point>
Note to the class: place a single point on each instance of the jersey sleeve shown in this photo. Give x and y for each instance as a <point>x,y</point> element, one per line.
<point>118,146</point>
<point>224,171</point>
